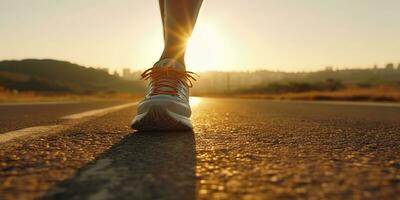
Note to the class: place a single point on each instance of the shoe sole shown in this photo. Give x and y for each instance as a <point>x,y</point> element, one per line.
<point>158,118</point>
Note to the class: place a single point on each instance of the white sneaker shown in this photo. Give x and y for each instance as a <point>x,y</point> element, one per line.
<point>166,105</point>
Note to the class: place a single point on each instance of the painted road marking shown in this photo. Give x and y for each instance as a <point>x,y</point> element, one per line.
<point>51,129</point>
<point>39,103</point>
<point>32,131</point>
<point>98,112</point>
<point>355,103</point>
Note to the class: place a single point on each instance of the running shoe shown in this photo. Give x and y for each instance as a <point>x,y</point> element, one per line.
<point>166,105</point>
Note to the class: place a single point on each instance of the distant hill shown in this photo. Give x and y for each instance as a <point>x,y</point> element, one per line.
<point>60,76</point>
<point>271,82</point>
<point>379,76</point>
<point>65,77</point>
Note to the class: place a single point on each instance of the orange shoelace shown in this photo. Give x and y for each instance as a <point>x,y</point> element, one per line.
<point>167,77</point>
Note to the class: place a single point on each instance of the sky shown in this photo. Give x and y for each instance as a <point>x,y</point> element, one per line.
<point>239,35</point>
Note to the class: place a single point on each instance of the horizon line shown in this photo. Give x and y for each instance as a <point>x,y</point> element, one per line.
<point>324,68</point>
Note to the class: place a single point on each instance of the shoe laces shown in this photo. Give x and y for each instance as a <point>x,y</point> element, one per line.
<point>167,77</point>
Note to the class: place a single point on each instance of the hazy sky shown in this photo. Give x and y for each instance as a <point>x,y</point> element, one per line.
<point>287,35</point>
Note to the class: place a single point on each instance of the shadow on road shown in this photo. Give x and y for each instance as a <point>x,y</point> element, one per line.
<point>142,166</point>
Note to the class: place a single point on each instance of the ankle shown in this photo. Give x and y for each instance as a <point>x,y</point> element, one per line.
<point>180,60</point>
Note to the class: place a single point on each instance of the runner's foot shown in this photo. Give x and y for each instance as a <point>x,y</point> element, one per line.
<point>166,105</point>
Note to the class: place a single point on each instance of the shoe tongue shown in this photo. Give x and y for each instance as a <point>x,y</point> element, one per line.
<point>170,63</point>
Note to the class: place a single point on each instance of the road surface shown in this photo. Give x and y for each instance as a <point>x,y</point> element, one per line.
<point>239,149</point>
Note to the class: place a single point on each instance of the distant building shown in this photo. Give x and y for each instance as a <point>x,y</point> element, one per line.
<point>130,75</point>
<point>126,73</point>
<point>390,66</point>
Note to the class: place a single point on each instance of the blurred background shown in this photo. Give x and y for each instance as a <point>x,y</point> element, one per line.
<point>310,50</point>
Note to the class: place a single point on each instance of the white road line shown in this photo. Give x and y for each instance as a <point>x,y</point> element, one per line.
<point>39,103</point>
<point>51,129</point>
<point>32,131</point>
<point>354,103</point>
<point>98,112</point>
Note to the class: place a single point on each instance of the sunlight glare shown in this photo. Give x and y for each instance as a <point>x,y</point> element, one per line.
<point>206,49</point>
<point>194,101</point>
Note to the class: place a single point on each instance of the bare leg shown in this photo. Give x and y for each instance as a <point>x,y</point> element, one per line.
<point>162,10</point>
<point>179,18</point>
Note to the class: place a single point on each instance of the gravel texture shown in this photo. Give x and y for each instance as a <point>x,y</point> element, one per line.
<point>240,149</point>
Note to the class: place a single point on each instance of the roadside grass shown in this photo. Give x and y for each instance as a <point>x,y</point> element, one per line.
<point>20,97</point>
<point>377,94</point>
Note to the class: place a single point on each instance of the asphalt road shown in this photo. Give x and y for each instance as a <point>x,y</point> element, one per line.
<point>17,116</point>
<point>239,149</point>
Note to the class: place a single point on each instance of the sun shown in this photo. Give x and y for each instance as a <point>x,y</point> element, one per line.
<point>206,48</point>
